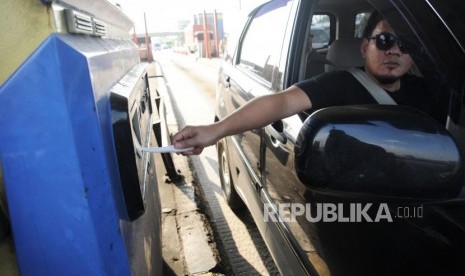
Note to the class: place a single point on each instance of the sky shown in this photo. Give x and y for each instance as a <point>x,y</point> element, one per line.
<point>163,15</point>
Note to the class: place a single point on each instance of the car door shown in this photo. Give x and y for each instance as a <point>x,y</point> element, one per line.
<point>280,183</point>
<point>254,73</point>
<point>249,76</point>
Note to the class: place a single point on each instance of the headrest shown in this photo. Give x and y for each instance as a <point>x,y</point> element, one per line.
<point>344,53</point>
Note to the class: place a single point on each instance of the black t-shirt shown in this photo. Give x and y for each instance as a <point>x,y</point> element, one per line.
<point>337,88</point>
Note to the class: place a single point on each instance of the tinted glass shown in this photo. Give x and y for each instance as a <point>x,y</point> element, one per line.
<point>263,41</point>
<point>452,13</point>
<point>320,31</point>
<point>360,23</point>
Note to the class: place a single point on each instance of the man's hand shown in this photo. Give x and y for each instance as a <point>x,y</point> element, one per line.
<point>197,137</point>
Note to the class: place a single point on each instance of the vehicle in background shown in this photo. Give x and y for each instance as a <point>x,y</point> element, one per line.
<point>320,37</point>
<point>393,158</point>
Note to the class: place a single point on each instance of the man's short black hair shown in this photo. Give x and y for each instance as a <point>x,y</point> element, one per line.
<point>373,20</point>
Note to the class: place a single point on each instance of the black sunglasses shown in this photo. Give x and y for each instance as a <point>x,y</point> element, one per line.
<point>385,41</point>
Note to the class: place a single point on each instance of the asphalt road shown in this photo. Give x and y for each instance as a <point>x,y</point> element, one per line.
<point>192,84</point>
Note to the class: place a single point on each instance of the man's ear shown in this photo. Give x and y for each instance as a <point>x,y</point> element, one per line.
<point>364,47</point>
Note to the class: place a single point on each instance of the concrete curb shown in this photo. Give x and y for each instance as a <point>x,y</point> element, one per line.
<point>188,247</point>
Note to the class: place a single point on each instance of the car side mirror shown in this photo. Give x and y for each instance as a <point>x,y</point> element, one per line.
<point>379,150</point>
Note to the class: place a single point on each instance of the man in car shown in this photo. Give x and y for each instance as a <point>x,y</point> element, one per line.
<point>386,63</point>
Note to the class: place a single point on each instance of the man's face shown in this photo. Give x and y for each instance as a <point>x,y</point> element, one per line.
<point>386,66</point>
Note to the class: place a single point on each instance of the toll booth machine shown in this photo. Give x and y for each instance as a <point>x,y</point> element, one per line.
<point>78,198</point>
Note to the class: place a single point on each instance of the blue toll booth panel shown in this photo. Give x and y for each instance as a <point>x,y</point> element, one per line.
<point>82,200</point>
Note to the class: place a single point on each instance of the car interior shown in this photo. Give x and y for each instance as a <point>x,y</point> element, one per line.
<point>343,22</point>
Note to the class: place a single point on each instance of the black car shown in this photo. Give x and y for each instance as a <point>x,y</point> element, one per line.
<point>387,181</point>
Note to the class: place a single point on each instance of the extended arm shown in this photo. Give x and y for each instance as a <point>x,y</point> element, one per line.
<point>256,113</point>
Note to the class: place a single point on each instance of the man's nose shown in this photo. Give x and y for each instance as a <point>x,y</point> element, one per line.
<point>394,50</point>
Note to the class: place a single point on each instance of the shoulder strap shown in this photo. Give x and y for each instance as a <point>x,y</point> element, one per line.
<point>380,95</point>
